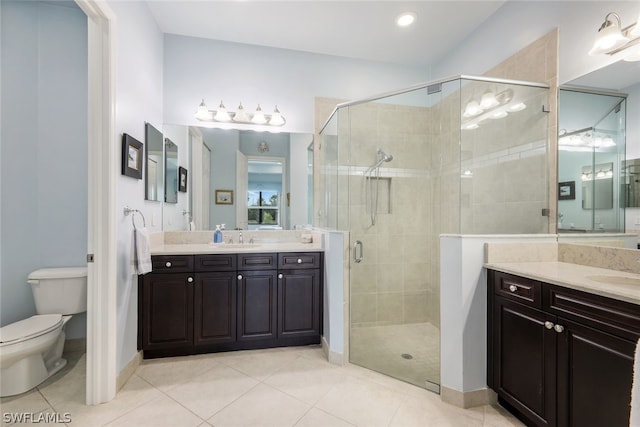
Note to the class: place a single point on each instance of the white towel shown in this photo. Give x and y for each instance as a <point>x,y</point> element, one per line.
<point>634,420</point>
<point>142,250</point>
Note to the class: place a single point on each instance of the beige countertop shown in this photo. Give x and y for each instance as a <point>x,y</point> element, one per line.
<point>225,248</point>
<point>600,281</point>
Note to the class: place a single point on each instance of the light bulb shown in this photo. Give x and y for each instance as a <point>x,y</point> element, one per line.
<point>258,117</point>
<point>488,100</point>
<point>241,115</point>
<point>276,118</point>
<point>222,115</point>
<point>203,112</point>
<point>472,109</point>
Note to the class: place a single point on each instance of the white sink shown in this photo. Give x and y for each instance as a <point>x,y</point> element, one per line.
<point>235,245</point>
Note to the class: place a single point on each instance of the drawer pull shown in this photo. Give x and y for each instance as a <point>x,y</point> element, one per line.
<point>299,261</point>
<point>168,264</point>
<point>513,288</point>
<point>558,328</point>
<point>549,325</point>
<point>190,279</point>
<point>239,276</point>
<point>280,276</point>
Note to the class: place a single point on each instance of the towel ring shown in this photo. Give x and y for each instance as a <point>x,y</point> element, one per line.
<point>128,210</point>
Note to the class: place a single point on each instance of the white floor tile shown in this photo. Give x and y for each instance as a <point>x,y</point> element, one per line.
<point>160,412</point>
<point>317,418</point>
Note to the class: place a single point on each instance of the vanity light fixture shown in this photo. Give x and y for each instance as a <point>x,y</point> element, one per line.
<point>222,115</point>
<point>612,38</point>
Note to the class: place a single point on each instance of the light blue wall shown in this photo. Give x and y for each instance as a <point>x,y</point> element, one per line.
<point>215,70</point>
<point>43,149</point>
<point>139,79</point>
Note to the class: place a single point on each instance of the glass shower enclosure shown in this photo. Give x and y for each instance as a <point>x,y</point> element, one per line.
<point>465,155</point>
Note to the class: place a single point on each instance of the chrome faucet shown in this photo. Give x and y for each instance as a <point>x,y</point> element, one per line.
<point>240,238</point>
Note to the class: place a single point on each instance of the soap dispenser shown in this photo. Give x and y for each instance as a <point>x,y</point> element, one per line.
<point>217,235</point>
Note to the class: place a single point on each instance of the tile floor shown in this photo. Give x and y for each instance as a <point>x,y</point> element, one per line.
<point>280,387</point>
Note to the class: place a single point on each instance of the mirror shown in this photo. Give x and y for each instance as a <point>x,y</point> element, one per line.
<point>230,168</point>
<point>631,183</point>
<point>170,172</point>
<point>154,169</point>
<point>593,138</point>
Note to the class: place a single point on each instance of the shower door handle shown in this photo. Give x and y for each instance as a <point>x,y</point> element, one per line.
<point>356,257</point>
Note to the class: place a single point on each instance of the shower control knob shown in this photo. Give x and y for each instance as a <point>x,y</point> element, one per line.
<point>513,288</point>
<point>548,325</point>
<point>168,264</point>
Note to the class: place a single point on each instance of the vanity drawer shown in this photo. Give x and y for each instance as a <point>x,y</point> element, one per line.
<point>616,317</point>
<point>294,260</point>
<point>515,288</point>
<point>172,263</point>
<point>217,262</point>
<point>257,261</point>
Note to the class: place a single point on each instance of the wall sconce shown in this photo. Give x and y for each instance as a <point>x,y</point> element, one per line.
<point>222,115</point>
<point>612,38</point>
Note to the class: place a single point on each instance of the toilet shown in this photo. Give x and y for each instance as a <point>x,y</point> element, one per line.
<point>31,349</point>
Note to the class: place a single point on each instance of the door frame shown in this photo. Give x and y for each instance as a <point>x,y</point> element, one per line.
<point>102,188</point>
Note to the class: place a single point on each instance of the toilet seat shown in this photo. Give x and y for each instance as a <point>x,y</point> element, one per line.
<point>29,328</point>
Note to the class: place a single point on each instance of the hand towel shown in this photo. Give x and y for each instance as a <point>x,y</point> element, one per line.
<point>142,250</point>
<point>634,420</point>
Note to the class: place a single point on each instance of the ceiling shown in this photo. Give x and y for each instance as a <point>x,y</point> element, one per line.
<point>354,29</point>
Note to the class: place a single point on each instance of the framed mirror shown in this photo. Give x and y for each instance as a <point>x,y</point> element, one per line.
<point>154,168</point>
<point>170,172</point>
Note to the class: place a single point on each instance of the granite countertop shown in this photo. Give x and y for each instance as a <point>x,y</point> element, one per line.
<point>225,248</point>
<point>615,284</point>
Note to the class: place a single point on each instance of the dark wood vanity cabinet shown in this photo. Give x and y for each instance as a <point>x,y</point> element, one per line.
<point>224,302</point>
<point>299,296</point>
<point>557,356</point>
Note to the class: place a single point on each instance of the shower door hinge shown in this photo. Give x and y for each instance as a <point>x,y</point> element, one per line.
<point>89,257</point>
<point>545,109</point>
<point>546,212</point>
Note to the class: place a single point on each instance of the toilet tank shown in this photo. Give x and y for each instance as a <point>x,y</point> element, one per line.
<point>60,290</point>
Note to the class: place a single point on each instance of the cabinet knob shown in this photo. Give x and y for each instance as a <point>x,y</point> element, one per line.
<point>548,325</point>
<point>513,288</point>
<point>168,264</point>
<point>558,328</point>
<point>299,260</point>
<point>190,279</point>
<point>239,276</point>
<point>280,276</point>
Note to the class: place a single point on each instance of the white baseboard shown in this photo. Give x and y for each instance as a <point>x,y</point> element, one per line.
<point>468,399</point>
<point>128,371</point>
<point>333,357</point>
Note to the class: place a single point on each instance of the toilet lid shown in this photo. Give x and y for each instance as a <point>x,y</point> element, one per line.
<point>29,328</point>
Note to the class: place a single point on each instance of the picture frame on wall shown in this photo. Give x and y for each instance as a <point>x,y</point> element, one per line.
<point>182,179</point>
<point>567,190</point>
<point>132,155</point>
<point>224,197</point>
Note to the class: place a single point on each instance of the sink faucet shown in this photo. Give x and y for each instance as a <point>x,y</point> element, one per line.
<point>240,240</point>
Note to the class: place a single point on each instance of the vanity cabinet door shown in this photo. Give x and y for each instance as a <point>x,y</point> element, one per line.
<point>215,308</point>
<point>524,360</point>
<point>299,303</point>
<point>595,372</point>
<point>167,321</point>
<point>257,305</point>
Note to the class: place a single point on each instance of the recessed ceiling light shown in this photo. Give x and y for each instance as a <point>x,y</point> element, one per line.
<point>405,19</point>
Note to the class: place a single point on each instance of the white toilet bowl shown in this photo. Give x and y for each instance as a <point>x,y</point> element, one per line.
<point>31,349</point>
<point>30,352</point>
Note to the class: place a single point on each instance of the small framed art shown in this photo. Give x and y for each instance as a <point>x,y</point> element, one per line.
<point>131,156</point>
<point>182,179</point>
<point>224,197</point>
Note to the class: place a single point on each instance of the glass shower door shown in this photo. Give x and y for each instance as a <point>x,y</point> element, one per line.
<point>394,299</point>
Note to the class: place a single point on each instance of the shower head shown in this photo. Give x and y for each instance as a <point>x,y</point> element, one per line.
<point>384,156</point>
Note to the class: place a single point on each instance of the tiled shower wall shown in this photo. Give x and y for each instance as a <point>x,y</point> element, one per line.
<point>398,279</point>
